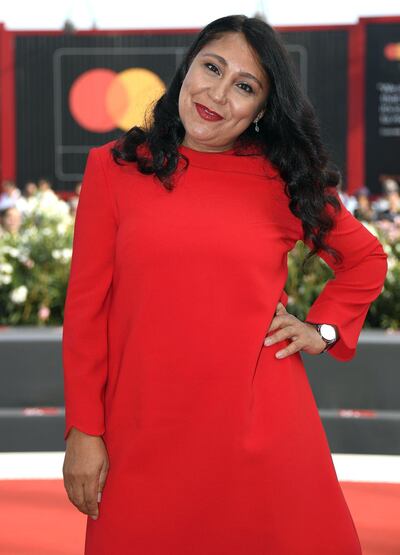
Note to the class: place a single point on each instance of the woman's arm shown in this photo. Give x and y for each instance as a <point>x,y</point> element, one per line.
<point>84,342</point>
<point>358,281</point>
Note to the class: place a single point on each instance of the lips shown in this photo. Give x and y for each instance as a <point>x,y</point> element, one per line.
<point>206,113</point>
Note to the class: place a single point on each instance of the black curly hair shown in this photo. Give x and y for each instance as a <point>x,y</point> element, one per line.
<point>289,133</point>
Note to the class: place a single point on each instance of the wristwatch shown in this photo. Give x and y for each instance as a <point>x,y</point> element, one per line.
<point>328,333</point>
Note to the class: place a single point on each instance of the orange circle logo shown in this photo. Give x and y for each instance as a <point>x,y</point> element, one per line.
<point>101,99</point>
<point>392,51</point>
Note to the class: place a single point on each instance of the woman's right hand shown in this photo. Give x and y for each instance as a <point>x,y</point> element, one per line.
<point>85,470</point>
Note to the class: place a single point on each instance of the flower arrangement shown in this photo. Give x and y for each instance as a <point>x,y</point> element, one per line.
<point>303,289</point>
<point>34,265</point>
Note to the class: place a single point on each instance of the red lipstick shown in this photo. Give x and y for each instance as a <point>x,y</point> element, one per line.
<point>206,113</point>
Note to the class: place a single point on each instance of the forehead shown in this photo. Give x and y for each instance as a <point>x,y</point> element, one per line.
<point>236,51</point>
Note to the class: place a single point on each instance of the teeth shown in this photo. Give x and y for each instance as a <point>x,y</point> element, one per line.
<point>209,112</point>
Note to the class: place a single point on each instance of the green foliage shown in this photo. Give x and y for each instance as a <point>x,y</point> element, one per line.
<point>303,289</point>
<point>34,270</point>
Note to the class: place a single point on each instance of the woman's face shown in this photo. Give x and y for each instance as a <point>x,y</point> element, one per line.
<point>12,220</point>
<point>225,78</point>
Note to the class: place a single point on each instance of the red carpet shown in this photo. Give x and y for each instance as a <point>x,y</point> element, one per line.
<point>38,519</point>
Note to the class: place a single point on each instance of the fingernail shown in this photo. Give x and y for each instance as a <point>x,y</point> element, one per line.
<point>99,497</point>
<point>279,354</point>
<point>267,342</point>
<point>94,517</point>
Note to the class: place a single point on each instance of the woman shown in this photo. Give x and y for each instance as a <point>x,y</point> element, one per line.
<point>201,438</point>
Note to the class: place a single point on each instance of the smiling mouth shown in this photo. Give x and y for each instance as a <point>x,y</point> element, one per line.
<point>206,113</point>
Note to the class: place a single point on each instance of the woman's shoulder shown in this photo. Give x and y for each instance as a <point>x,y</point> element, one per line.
<point>113,166</point>
<point>104,151</point>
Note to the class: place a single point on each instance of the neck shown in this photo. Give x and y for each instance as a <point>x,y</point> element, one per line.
<point>204,147</point>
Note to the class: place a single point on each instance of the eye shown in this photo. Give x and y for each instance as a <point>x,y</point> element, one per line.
<point>248,90</point>
<point>211,67</point>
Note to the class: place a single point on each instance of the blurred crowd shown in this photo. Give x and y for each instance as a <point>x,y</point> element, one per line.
<point>15,204</point>
<point>386,207</point>
<point>383,212</point>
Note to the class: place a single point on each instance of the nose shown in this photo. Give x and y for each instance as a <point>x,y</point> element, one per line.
<point>218,92</point>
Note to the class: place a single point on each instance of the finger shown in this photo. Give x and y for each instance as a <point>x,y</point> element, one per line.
<point>75,493</point>
<point>280,335</point>
<point>69,490</point>
<point>90,489</point>
<point>294,347</point>
<point>279,321</point>
<point>102,481</point>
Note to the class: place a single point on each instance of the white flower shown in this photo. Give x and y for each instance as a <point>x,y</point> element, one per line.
<point>392,262</point>
<point>387,248</point>
<point>19,294</point>
<point>5,280</point>
<point>390,277</point>
<point>62,228</point>
<point>32,204</point>
<point>62,254</point>
<point>50,205</point>
<point>66,253</point>
<point>28,234</point>
<point>24,255</point>
<point>6,268</point>
<point>13,252</point>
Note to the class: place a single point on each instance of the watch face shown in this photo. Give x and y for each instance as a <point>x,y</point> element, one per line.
<point>328,332</point>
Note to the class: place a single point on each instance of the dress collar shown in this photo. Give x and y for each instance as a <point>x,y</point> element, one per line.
<point>247,160</point>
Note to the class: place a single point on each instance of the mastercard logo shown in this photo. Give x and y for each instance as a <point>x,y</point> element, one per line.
<point>392,51</point>
<point>101,99</point>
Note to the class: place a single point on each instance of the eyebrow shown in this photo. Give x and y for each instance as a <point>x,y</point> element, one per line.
<point>225,63</point>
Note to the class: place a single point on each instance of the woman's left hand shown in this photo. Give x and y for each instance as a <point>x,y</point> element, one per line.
<point>304,336</point>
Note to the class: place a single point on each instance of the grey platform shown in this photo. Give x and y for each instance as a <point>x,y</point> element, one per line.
<point>358,400</point>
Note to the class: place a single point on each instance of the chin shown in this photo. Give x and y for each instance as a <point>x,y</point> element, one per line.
<point>200,133</point>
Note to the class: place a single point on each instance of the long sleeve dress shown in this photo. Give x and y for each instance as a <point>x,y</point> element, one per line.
<point>215,445</point>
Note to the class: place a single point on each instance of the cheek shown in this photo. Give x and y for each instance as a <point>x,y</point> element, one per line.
<point>183,101</point>
<point>188,88</point>
<point>242,112</point>
<point>192,87</point>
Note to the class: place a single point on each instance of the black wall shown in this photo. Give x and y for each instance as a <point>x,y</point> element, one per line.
<point>382,104</point>
<point>49,141</point>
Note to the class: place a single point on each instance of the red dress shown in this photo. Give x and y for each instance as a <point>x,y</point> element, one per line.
<point>216,446</point>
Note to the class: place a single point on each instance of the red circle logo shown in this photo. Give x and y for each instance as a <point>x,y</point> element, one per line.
<point>101,99</point>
